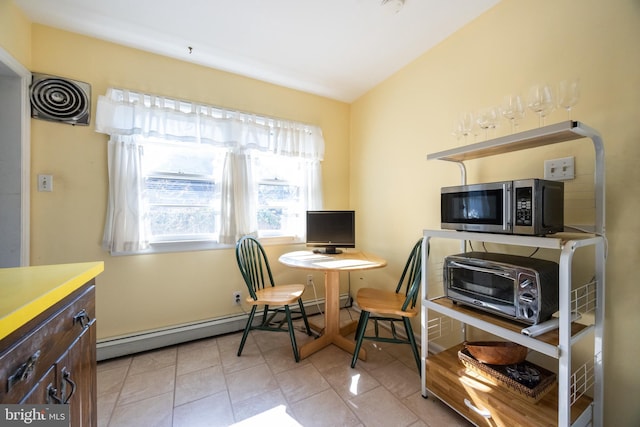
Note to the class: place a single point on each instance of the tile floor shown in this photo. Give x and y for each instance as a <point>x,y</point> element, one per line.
<point>204,383</point>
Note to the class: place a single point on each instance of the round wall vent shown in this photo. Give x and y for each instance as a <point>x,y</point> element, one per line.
<point>60,100</point>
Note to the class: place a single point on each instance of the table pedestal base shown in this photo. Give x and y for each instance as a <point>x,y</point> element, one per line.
<point>333,333</point>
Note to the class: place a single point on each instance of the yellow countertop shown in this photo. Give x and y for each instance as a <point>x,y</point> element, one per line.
<point>26,292</point>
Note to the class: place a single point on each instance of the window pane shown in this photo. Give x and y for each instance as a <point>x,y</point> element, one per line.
<point>192,159</point>
<point>180,191</point>
<point>278,195</point>
<point>170,221</point>
<point>182,207</point>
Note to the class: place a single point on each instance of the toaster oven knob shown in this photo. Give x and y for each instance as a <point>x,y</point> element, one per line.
<point>527,298</point>
<point>526,283</point>
<point>527,312</point>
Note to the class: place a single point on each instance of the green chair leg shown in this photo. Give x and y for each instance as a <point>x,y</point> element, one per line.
<point>362,326</point>
<point>412,341</point>
<point>247,329</point>
<point>292,334</point>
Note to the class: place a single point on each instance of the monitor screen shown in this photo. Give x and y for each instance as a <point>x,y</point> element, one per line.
<point>330,230</point>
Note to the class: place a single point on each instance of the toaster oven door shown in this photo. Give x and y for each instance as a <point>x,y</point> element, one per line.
<point>484,285</point>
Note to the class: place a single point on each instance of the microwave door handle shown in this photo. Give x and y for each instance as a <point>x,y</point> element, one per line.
<point>507,198</point>
<point>496,271</point>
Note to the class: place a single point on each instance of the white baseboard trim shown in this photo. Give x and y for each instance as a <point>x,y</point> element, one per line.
<point>150,340</point>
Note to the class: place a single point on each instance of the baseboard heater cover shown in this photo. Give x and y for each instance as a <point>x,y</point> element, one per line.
<point>149,340</point>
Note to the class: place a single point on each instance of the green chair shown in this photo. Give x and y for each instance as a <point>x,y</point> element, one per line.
<point>392,306</point>
<point>256,272</point>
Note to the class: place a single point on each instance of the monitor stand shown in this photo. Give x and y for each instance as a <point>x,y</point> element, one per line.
<point>327,251</point>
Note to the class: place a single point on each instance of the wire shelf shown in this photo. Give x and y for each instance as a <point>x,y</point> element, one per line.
<point>583,299</point>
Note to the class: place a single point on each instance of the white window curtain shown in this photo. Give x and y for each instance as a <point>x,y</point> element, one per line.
<point>128,116</point>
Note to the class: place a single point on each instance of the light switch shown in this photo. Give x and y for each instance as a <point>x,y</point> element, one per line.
<point>45,182</point>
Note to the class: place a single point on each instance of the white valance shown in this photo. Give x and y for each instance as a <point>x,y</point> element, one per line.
<point>124,112</point>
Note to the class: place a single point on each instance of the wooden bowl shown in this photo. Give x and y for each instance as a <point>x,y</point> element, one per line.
<point>497,352</point>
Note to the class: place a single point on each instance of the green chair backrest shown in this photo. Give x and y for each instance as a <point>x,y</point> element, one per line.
<point>253,264</point>
<point>411,276</point>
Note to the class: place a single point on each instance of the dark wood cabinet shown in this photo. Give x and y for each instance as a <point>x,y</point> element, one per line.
<point>52,358</point>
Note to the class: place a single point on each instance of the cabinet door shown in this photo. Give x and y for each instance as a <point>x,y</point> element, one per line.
<point>45,391</point>
<point>76,378</point>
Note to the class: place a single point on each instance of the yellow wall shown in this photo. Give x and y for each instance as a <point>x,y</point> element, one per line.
<point>139,293</point>
<point>510,47</point>
<point>378,145</point>
<point>15,32</point>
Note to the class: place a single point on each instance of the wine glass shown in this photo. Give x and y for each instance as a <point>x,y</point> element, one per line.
<point>541,101</point>
<point>456,130</point>
<point>487,119</point>
<point>568,94</point>
<point>466,124</point>
<point>513,110</point>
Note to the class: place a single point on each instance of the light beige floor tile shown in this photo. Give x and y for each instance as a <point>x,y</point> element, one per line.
<point>400,380</point>
<point>433,412</point>
<point>330,357</point>
<point>260,404</point>
<point>198,384</point>
<point>281,359</point>
<point>302,382</point>
<point>377,357</point>
<point>250,382</point>
<point>106,403</point>
<point>147,384</point>
<point>231,342</point>
<point>198,355</point>
<point>153,360</point>
<point>349,382</point>
<point>276,416</point>
<point>205,383</point>
<point>324,409</point>
<point>211,411</point>
<point>116,363</point>
<point>111,380</point>
<point>378,407</point>
<point>251,357</point>
<point>155,411</point>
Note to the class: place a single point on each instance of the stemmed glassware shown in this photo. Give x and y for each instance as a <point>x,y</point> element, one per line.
<point>568,94</point>
<point>513,110</point>
<point>465,125</point>
<point>541,101</point>
<point>487,119</point>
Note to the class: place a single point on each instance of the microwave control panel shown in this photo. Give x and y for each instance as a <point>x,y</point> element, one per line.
<point>524,206</point>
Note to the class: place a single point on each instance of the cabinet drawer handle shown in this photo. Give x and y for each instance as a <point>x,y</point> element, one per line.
<point>51,395</point>
<point>66,376</point>
<point>81,317</point>
<point>482,412</point>
<point>22,373</point>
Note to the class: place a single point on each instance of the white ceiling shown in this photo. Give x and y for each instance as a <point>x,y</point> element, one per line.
<point>334,48</point>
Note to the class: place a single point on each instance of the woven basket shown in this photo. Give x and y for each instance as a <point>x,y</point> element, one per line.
<point>499,373</point>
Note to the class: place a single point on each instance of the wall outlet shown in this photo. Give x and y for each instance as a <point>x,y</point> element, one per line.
<point>560,169</point>
<point>309,280</point>
<point>236,297</point>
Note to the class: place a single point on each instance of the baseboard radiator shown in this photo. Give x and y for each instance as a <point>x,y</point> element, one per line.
<point>150,340</point>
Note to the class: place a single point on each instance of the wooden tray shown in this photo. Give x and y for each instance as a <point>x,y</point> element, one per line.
<point>532,391</point>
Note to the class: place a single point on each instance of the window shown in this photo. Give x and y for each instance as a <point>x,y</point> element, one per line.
<point>182,190</point>
<point>184,176</point>
<point>279,211</point>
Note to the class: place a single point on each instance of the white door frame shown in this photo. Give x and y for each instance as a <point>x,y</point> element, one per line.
<point>16,69</point>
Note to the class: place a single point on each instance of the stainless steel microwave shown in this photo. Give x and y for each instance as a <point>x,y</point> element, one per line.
<point>524,289</point>
<point>527,206</point>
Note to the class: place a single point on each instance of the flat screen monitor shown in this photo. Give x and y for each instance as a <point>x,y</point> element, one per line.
<point>329,230</point>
